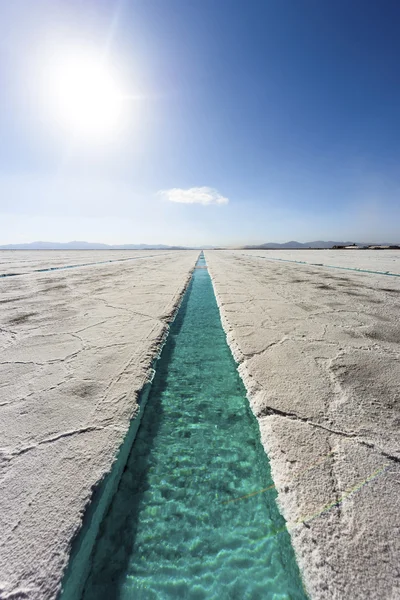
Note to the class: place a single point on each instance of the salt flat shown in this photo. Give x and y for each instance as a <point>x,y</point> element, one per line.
<point>27,261</point>
<point>372,260</point>
<point>77,347</point>
<point>319,354</point>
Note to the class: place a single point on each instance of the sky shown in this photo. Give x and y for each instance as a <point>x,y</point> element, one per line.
<point>193,122</point>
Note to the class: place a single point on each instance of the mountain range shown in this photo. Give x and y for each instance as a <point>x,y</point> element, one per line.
<point>89,246</point>
<point>305,245</point>
<point>98,246</point>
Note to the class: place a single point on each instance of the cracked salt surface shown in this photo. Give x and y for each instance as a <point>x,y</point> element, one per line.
<point>319,355</point>
<point>194,515</point>
<point>48,268</point>
<point>77,347</point>
<point>386,262</point>
<point>318,351</point>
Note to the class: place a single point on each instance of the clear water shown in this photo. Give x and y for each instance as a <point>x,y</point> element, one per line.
<point>176,528</point>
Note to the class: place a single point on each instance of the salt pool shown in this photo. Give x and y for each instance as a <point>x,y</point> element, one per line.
<point>185,522</point>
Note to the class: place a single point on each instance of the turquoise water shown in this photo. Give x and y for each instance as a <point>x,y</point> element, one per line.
<point>176,527</point>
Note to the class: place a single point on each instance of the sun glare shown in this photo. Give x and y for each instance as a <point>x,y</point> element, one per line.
<point>85,95</point>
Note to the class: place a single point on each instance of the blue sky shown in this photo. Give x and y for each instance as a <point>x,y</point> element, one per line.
<point>242,122</point>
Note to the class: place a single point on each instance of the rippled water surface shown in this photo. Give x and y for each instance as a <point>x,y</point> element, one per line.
<point>177,527</point>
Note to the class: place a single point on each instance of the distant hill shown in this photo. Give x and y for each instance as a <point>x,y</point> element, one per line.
<point>98,246</point>
<point>91,246</point>
<point>305,245</point>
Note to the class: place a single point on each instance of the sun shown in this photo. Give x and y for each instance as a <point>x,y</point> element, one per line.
<point>85,95</point>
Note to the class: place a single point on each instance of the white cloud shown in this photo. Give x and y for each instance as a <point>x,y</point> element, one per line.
<point>195,195</point>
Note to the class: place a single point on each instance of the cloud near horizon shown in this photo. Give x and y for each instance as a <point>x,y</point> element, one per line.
<point>195,195</point>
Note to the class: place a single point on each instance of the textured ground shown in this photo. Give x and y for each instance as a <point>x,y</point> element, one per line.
<point>76,347</point>
<point>371,260</point>
<point>319,353</point>
<point>28,261</point>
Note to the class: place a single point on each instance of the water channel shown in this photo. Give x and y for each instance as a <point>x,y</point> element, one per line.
<point>182,523</point>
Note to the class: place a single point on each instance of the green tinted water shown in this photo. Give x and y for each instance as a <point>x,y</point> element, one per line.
<point>175,528</point>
